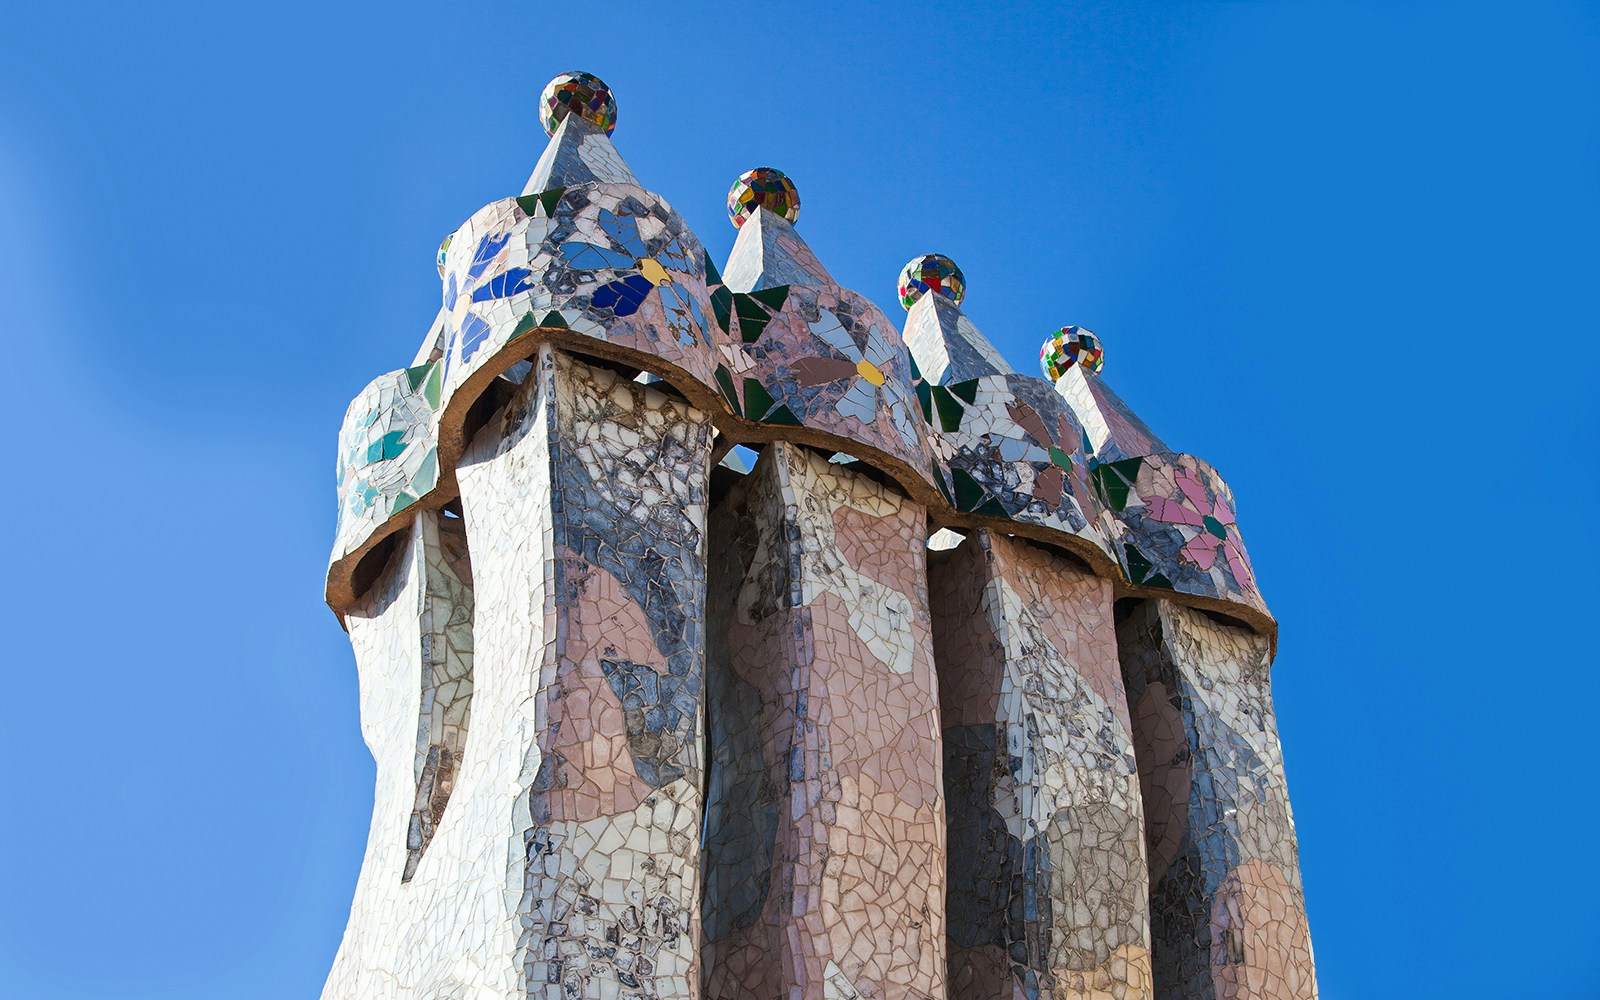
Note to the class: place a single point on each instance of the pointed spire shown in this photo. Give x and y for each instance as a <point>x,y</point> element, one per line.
<point>579,115</point>
<point>769,252</point>
<point>947,346</point>
<point>579,152</point>
<point>1072,358</point>
<point>763,204</point>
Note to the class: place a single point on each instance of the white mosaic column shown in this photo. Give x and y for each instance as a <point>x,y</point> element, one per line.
<point>1048,892</point>
<point>566,862</point>
<point>445,712</point>
<point>412,636</point>
<point>825,845</point>
<point>1227,910</point>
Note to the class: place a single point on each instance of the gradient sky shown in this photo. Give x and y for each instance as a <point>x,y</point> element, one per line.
<point>1346,253</point>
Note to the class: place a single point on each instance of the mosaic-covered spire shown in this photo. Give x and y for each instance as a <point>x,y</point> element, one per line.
<point>1006,445</point>
<point>580,149</point>
<point>764,205</point>
<point>586,250</point>
<point>1112,431</point>
<point>945,344</point>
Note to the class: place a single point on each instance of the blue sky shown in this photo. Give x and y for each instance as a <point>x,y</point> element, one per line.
<point>1344,252</point>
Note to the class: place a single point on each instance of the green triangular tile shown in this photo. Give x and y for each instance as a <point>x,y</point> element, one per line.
<point>753,316</point>
<point>415,376</point>
<point>968,492</point>
<point>722,305</point>
<point>433,388</point>
<point>1111,487</point>
<point>1138,566</point>
<point>1115,479</point>
<point>925,397</point>
<point>990,506</point>
<point>524,325</point>
<point>781,415</point>
<point>1128,468</point>
<point>773,297</point>
<point>757,400</point>
<point>725,383</point>
<point>950,411</point>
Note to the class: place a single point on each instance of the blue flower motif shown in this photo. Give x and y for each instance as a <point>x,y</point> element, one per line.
<point>504,285</point>
<point>623,297</point>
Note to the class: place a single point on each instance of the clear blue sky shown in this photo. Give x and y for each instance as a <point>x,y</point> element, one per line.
<point>1347,253</point>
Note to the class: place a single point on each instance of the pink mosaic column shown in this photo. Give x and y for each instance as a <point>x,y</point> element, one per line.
<point>584,498</point>
<point>1227,910</point>
<point>1048,893</point>
<point>825,813</point>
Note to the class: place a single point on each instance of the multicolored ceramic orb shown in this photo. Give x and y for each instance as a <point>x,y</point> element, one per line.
<point>763,187</point>
<point>444,248</point>
<point>1068,346</point>
<point>932,271</point>
<point>583,94</point>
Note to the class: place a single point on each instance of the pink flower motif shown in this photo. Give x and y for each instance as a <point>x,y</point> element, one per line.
<point>1219,531</point>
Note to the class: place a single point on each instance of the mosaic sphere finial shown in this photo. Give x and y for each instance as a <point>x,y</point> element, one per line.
<point>763,187</point>
<point>932,271</point>
<point>583,94</point>
<point>1068,346</point>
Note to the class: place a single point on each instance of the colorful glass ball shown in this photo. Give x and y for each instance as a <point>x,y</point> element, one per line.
<point>582,94</point>
<point>763,187</point>
<point>1068,346</point>
<point>932,271</point>
<point>444,248</point>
